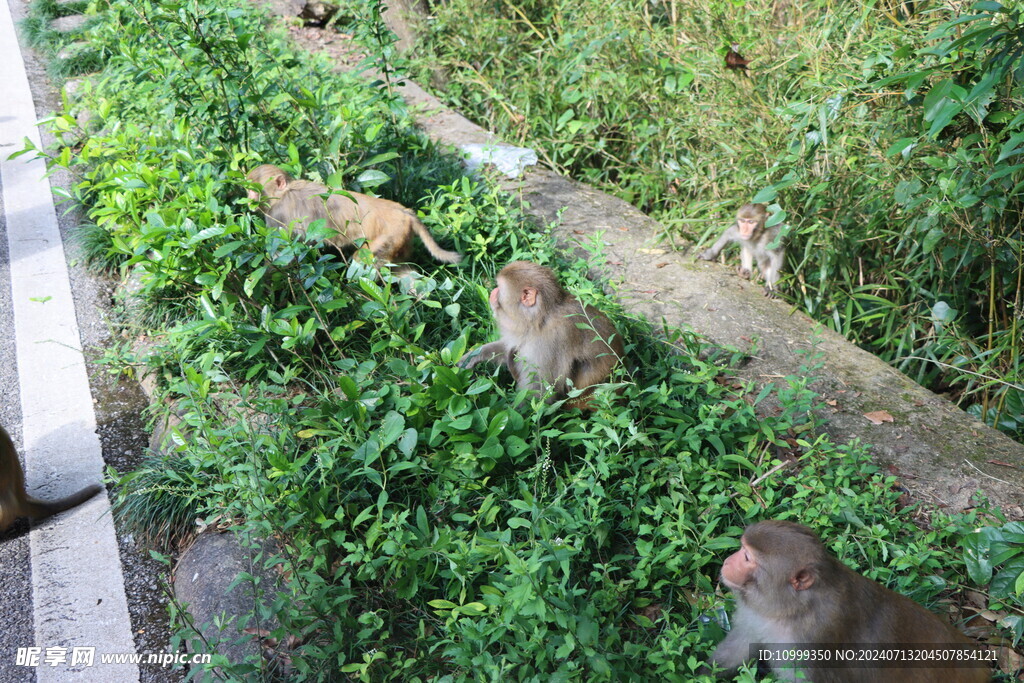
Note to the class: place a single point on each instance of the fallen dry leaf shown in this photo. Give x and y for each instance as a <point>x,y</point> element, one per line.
<point>879,416</point>
<point>1000,462</point>
<point>652,252</point>
<point>1009,660</point>
<point>976,599</point>
<point>652,612</point>
<point>832,403</point>
<point>661,265</point>
<point>991,615</point>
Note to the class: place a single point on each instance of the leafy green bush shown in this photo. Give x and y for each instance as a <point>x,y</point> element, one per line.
<point>426,526</point>
<point>892,142</point>
<point>999,548</point>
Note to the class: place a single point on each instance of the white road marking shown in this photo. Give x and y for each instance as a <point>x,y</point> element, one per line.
<point>77,584</point>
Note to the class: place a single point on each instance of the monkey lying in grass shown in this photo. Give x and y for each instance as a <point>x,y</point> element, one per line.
<point>386,226</point>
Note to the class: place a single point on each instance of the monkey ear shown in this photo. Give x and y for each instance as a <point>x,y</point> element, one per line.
<point>802,579</point>
<point>280,181</point>
<point>528,297</point>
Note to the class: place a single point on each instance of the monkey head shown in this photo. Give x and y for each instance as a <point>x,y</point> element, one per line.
<point>750,220</point>
<point>504,296</point>
<point>524,294</point>
<point>272,180</point>
<point>775,557</point>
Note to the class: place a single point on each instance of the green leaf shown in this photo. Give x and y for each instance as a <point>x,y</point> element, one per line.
<point>943,313</point>
<point>381,158</point>
<point>975,549</point>
<point>473,608</point>
<point>392,427</point>
<point>901,146</point>
<point>372,178</point>
<point>228,248</point>
<point>931,239</point>
<point>407,444</point>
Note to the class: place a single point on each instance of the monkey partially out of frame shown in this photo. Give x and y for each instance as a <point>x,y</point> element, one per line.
<point>15,502</point>
<point>791,592</point>
<point>548,339</point>
<point>386,226</point>
<point>753,237</point>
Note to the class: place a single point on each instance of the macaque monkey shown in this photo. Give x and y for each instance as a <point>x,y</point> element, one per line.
<point>15,502</point>
<point>547,337</point>
<point>387,226</point>
<point>753,239</point>
<point>790,590</point>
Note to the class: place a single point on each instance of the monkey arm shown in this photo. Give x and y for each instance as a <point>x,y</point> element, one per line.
<point>732,652</point>
<point>771,266</point>
<point>487,352</point>
<point>746,259</point>
<point>730,235</point>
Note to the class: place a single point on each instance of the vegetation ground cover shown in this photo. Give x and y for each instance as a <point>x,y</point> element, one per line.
<point>887,133</point>
<point>429,523</point>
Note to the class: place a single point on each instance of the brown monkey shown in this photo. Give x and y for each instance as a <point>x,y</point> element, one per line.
<point>15,502</point>
<point>547,337</point>
<point>753,238</point>
<point>387,226</point>
<point>790,590</point>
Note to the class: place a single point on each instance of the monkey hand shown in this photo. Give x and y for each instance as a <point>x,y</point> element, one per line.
<point>471,359</point>
<point>707,255</point>
<point>744,272</point>
<point>770,292</point>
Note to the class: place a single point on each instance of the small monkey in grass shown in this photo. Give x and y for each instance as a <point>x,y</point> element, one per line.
<point>548,338</point>
<point>386,226</point>
<point>753,237</point>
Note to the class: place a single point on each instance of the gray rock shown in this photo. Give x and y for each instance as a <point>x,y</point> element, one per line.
<point>69,51</point>
<point>69,24</point>
<point>202,579</point>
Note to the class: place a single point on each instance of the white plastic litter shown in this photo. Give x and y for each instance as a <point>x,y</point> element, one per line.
<point>510,161</point>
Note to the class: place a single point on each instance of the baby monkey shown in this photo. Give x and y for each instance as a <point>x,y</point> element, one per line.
<point>753,237</point>
<point>15,502</point>
<point>386,226</point>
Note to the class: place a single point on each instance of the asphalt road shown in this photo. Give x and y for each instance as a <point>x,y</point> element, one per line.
<point>117,404</point>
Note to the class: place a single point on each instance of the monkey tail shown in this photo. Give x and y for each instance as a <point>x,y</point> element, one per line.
<point>37,509</point>
<point>433,247</point>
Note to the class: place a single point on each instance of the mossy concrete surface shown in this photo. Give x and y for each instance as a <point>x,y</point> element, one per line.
<point>941,454</point>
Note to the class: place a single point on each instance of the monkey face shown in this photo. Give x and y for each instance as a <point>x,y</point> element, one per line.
<point>746,227</point>
<point>739,567</point>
